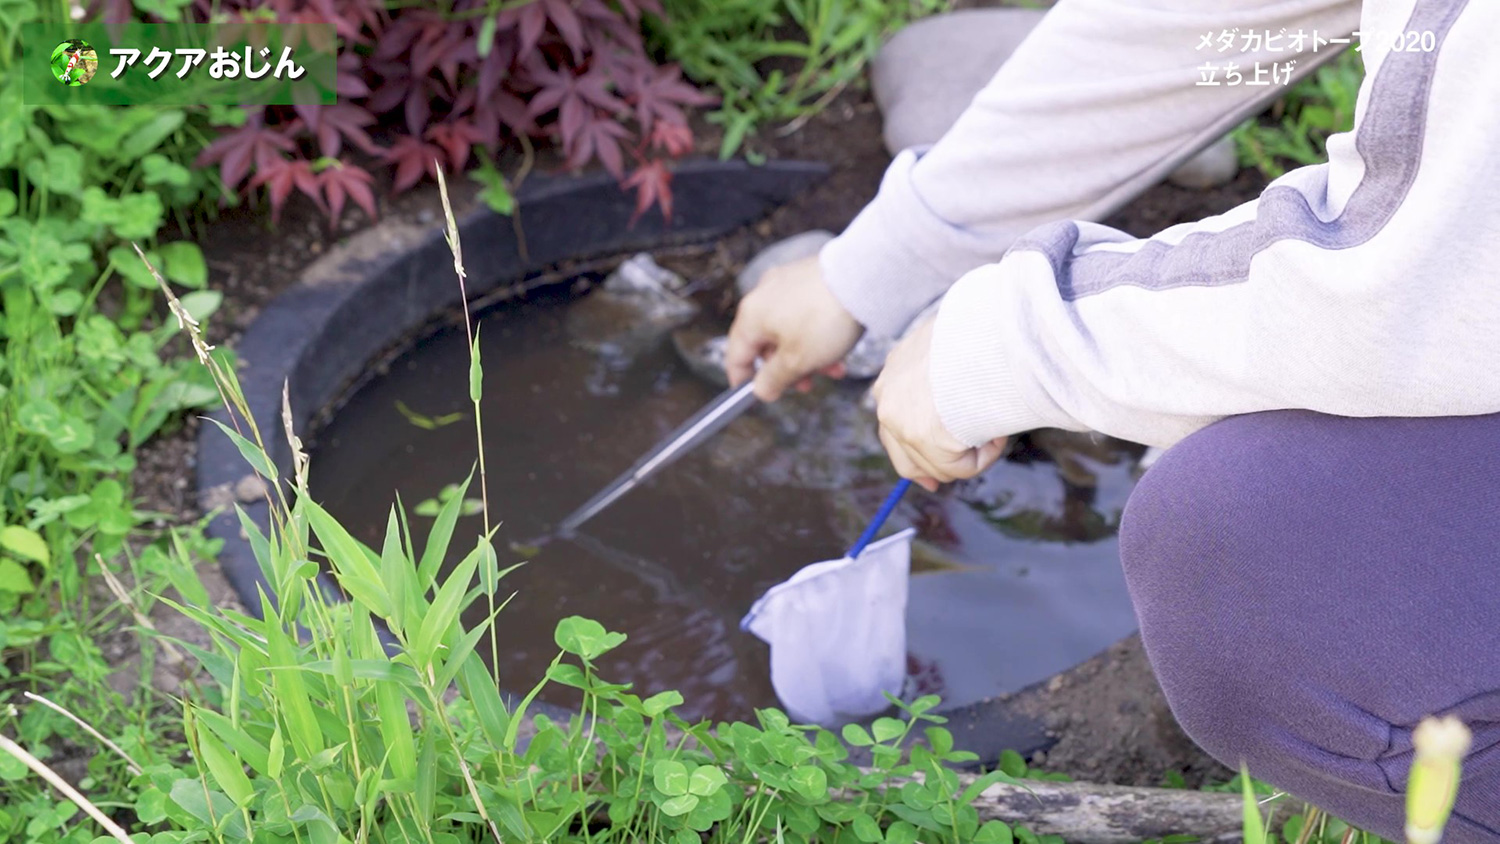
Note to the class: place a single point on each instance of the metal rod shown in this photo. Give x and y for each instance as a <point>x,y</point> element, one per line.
<point>703,424</point>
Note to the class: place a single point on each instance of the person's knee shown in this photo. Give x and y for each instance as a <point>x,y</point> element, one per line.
<point>1273,581</point>
<point>1232,598</point>
<point>1188,543</point>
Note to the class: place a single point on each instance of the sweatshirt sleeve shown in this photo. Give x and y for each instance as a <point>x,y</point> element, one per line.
<point>1100,92</point>
<point>1362,287</point>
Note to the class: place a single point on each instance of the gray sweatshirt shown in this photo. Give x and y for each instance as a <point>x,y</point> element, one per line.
<point>1366,286</point>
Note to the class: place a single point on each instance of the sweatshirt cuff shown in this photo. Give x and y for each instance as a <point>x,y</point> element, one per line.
<point>871,268</point>
<point>974,383</point>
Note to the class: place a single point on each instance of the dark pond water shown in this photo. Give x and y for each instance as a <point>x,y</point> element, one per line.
<point>1015,575</point>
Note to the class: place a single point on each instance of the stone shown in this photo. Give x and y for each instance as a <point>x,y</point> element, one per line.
<point>867,358</point>
<point>784,251</point>
<point>703,353</point>
<point>635,306</point>
<point>1214,167</point>
<point>216,497</point>
<point>642,275</point>
<point>250,489</point>
<point>926,75</point>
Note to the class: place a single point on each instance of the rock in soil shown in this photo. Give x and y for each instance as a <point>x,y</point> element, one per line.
<point>1214,167</point>
<point>927,74</point>
<point>251,488</point>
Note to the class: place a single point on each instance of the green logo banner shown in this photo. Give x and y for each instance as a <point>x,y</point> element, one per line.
<point>230,63</point>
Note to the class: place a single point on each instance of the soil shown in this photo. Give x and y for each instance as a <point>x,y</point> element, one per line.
<point>1108,714</point>
<point>1112,724</point>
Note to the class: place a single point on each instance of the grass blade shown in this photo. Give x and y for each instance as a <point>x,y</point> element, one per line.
<point>436,549</point>
<point>445,609</point>
<point>290,691</point>
<point>347,557</point>
<point>395,729</point>
<point>225,768</point>
<point>1255,826</point>
<point>252,453</point>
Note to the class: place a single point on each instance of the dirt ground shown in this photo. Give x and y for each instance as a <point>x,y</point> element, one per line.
<point>1109,717</point>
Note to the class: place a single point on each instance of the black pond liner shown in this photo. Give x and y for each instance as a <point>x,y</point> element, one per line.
<point>383,285</point>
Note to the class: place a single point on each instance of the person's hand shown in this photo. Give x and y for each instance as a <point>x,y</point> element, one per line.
<point>913,435</point>
<point>793,323</point>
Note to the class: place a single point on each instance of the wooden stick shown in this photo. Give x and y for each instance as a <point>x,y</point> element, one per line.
<point>1084,813</point>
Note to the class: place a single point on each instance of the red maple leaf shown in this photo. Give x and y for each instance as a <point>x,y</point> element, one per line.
<point>357,13</point>
<point>652,182</point>
<point>557,87</point>
<point>501,108</point>
<point>332,123</point>
<point>634,8</point>
<point>599,137</point>
<point>399,86</point>
<point>396,39</point>
<point>531,20</point>
<point>456,137</point>
<point>349,80</point>
<point>675,139</point>
<point>412,157</point>
<point>658,94</point>
<point>323,12</point>
<point>236,151</point>
<point>345,181</point>
<point>445,45</point>
<point>603,21</point>
<point>495,67</point>
<point>281,176</point>
<point>577,98</point>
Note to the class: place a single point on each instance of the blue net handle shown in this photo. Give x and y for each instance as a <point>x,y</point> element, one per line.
<point>876,523</point>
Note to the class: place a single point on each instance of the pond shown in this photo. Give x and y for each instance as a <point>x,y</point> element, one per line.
<point>1015,575</point>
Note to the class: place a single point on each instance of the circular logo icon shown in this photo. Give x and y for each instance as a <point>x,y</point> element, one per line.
<point>74,62</point>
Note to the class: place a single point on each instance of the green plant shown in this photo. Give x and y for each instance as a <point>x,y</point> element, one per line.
<point>1015,765</point>
<point>85,379</point>
<point>774,61</point>
<point>1307,825</point>
<point>1297,128</point>
<point>312,731</point>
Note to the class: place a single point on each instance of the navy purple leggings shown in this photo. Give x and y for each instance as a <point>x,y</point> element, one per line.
<point>1309,587</point>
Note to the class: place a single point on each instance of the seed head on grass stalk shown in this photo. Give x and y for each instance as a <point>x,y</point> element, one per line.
<point>488,574</point>
<point>228,386</point>
<point>476,372</point>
